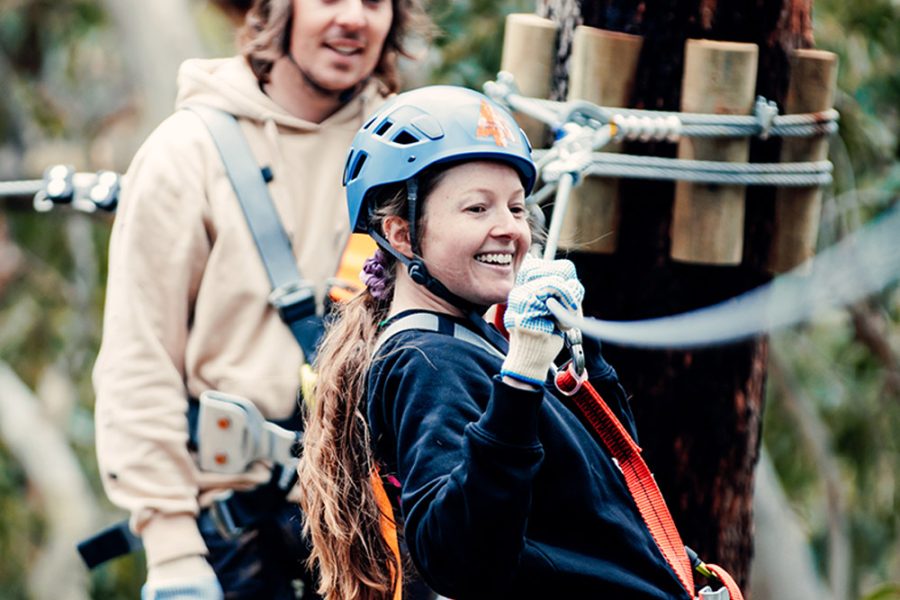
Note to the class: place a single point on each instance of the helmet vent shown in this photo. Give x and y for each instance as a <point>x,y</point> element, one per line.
<point>385,125</point>
<point>358,166</point>
<point>405,138</point>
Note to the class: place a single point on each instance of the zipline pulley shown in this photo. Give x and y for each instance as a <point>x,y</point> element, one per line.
<point>63,186</point>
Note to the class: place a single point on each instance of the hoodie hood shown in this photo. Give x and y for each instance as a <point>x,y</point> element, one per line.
<point>230,85</point>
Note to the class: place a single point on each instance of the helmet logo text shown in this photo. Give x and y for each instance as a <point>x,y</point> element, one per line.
<point>490,124</point>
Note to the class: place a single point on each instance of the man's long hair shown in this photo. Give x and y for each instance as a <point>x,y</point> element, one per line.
<point>266,36</point>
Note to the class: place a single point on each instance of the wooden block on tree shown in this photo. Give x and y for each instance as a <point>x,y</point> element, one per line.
<point>813,78</point>
<point>708,220</point>
<point>602,70</point>
<point>529,52</point>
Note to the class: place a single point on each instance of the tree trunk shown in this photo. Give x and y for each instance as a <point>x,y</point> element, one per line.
<point>154,64</point>
<point>699,412</point>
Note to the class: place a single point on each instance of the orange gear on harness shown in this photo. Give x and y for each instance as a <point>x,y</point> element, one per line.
<point>346,282</point>
<point>388,528</point>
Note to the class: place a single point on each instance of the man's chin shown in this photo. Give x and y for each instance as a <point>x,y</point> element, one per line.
<point>335,85</point>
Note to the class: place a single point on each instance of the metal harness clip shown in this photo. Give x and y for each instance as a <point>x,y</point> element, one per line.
<point>573,341</point>
<point>294,300</point>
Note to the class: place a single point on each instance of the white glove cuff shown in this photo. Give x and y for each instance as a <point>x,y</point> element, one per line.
<point>530,355</point>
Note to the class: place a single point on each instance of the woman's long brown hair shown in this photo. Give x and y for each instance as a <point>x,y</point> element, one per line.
<point>342,517</point>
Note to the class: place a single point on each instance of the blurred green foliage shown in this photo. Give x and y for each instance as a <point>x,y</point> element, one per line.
<point>854,393</point>
<point>34,35</point>
<point>47,319</point>
<point>470,40</point>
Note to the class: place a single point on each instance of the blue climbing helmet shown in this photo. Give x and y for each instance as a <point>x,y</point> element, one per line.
<point>425,127</point>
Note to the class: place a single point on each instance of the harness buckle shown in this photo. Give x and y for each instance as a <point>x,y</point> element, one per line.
<point>579,380</point>
<point>223,519</point>
<point>707,593</point>
<point>294,300</point>
<point>232,434</point>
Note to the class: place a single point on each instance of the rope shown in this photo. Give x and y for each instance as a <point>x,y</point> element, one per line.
<point>860,265</point>
<point>764,122</point>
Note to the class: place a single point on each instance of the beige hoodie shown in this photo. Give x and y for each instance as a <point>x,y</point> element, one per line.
<point>186,306</point>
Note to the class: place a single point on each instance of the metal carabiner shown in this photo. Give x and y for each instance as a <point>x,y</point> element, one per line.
<point>575,366</point>
<point>573,340</point>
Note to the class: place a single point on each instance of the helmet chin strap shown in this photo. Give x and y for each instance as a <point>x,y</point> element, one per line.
<point>418,272</point>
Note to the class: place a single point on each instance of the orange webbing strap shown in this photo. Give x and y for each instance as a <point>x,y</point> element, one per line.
<point>638,477</point>
<point>733,590</point>
<point>346,282</point>
<point>388,526</point>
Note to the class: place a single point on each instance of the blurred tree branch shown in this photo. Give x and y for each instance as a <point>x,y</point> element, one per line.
<point>152,63</point>
<point>56,474</point>
<point>871,328</point>
<point>10,257</point>
<point>783,567</point>
<point>814,433</point>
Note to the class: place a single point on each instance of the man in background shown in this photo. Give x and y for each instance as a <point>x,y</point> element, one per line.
<point>186,305</point>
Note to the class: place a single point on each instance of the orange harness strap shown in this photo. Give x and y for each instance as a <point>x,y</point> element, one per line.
<point>388,527</point>
<point>638,477</point>
<point>727,580</point>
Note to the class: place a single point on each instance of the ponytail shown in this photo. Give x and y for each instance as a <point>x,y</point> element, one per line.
<point>342,516</point>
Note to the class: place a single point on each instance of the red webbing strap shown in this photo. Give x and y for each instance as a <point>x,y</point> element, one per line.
<point>733,590</point>
<point>638,477</point>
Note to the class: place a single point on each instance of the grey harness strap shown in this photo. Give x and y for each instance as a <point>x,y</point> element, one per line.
<point>431,322</point>
<point>292,296</point>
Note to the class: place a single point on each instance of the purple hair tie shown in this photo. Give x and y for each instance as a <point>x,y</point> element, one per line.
<point>374,274</point>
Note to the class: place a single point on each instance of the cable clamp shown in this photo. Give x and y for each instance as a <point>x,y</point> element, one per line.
<point>765,112</point>
<point>85,192</point>
<point>501,89</point>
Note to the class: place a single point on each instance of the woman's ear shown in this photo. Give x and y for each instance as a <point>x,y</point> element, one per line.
<point>396,232</point>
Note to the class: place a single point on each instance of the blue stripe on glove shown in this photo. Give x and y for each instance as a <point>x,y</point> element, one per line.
<point>534,336</point>
<point>536,282</point>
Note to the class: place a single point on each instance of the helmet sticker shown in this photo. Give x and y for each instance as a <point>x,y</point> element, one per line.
<point>490,124</point>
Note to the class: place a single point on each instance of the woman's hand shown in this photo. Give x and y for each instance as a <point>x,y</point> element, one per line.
<point>534,336</point>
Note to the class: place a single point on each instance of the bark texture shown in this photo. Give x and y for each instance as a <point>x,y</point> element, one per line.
<point>699,412</point>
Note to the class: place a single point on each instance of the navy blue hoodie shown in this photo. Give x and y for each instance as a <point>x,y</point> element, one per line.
<point>505,492</point>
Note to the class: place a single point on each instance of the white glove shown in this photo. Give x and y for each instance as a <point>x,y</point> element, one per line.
<point>534,336</point>
<point>185,578</point>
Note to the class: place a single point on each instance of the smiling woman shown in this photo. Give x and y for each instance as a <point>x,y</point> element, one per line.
<point>475,233</point>
<point>426,419</point>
